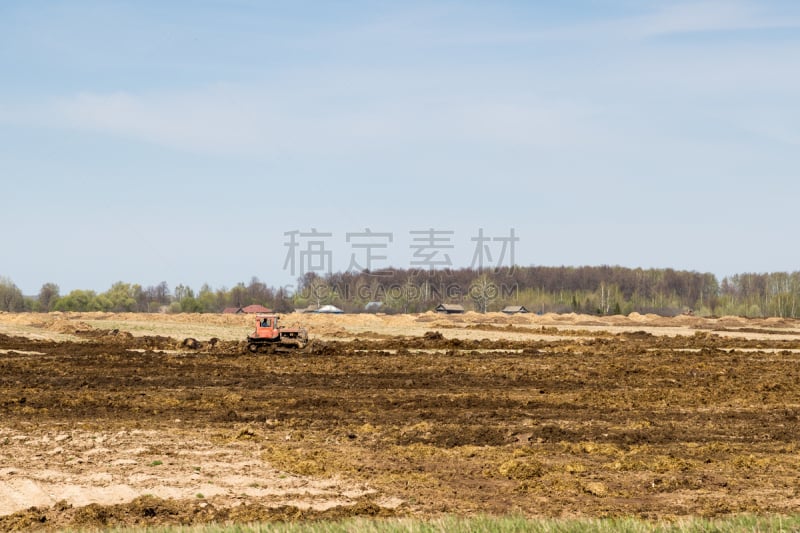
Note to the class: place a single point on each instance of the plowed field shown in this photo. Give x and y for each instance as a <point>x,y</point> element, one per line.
<point>492,415</point>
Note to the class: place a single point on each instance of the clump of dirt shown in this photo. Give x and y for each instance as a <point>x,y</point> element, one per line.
<point>68,326</point>
<point>450,435</point>
<point>521,469</point>
<point>150,511</point>
<point>433,336</point>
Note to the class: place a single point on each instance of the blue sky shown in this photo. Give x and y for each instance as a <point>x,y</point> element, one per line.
<point>148,141</point>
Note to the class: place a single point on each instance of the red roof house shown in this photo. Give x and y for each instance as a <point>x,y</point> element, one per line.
<point>255,308</point>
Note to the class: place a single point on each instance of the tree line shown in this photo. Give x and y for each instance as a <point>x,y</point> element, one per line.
<point>602,290</point>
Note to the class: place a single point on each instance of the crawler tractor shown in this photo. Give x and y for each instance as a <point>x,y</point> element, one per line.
<point>268,337</point>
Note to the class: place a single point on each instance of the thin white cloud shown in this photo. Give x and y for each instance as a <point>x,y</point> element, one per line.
<point>350,110</point>
<point>666,19</point>
<point>708,16</point>
<point>206,120</point>
<point>367,115</point>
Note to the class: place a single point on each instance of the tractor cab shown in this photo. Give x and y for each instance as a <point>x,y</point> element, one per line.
<point>269,338</point>
<point>267,327</point>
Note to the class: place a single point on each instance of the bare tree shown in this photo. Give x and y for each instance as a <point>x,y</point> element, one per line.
<point>483,290</point>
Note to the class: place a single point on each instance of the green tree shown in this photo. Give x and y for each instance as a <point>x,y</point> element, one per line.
<point>190,305</point>
<point>207,300</point>
<point>185,301</point>
<point>78,300</point>
<point>10,296</point>
<point>48,295</point>
<point>404,296</point>
<point>121,297</point>
<point>313,290</point>
<point>238,296</point>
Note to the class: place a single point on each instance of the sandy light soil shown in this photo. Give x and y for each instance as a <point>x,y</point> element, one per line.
<point>82,467</point>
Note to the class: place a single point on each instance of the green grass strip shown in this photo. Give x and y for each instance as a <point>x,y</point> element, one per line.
<point>487,524</point>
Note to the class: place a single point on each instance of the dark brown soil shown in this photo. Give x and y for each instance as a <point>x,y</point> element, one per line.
<point>615,425</point>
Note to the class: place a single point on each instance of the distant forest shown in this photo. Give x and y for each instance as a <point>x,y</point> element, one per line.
<point>601,290</point>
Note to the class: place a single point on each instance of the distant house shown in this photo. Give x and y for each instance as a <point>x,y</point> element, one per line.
<point>514,309</point>
<point>329,309</point>
<point>373,307</point>
<point>255,308</point>
<point>250,310</point>
<point>309,309</point>
<point>449,309</point>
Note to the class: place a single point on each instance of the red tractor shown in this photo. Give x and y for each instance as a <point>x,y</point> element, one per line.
<point>270,338</point>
